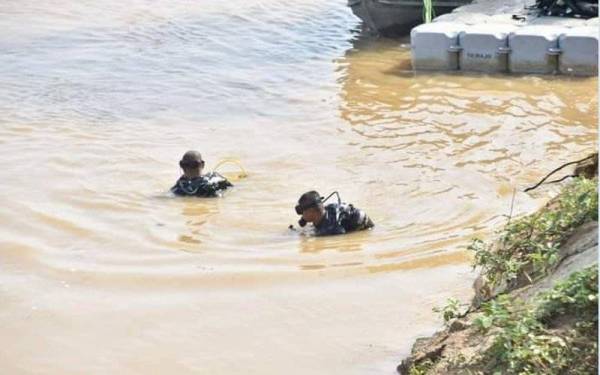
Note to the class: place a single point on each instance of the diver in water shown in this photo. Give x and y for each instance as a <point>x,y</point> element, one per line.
<point>194,183</point>
<point>334,218</point>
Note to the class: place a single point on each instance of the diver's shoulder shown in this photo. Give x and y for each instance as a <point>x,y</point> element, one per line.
<point>215,177</point>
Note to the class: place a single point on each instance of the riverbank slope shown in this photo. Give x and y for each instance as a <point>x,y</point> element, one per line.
<point>535,303</point>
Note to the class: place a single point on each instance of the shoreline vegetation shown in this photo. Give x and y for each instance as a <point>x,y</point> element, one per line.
<point>535,308</point>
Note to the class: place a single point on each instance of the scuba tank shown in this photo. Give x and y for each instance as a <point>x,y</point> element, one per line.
<point>210,184</point>
<point>207,185</point>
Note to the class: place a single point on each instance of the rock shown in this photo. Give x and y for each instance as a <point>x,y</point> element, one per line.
<point>588,168</point>
<point>458,348</point>
<point>578,252</point>
<point>458,325</point>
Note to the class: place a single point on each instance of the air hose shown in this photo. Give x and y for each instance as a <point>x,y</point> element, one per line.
<point>221,162</point>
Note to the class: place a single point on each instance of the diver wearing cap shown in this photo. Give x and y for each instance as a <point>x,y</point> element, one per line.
<point>194,183</point>
<point>334,218</point>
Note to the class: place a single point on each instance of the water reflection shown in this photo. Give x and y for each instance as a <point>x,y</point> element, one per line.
<point>341,243</point>
<point>438,258</point>
<point>436,122</point>
<point>197,212</point>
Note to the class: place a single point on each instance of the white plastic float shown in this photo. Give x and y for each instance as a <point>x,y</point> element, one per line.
<point>578,48</point>
<point>534,49</point>
<point>435,46</point>
<point>484,48</point>
<point>482,37</point>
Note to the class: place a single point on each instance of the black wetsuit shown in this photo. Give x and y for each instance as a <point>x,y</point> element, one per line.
<point>340,219</point>
<point>208,185</point>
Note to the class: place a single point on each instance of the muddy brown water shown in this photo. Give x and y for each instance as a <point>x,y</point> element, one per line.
<point>102,272</point>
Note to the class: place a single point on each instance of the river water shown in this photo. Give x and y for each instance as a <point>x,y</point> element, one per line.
<point>102,272</point>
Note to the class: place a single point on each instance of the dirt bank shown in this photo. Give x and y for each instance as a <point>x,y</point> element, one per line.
<point>535,304</point>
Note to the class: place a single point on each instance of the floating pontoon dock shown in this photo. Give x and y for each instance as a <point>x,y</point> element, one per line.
<point>493,36</point>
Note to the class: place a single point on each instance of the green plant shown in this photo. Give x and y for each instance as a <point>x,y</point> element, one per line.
<point>577,295</point>
<point>496,312</point>
<point>523,346</point>
<point>450,311</point>
<point>525,341</point>
<point>422,368</point>
<point>529,246</point>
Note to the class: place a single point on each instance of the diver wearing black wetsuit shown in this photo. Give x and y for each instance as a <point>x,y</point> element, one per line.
<point>194,183</point>
<point>208,185</point>
<point>335,218</point>
<point>340,219</point>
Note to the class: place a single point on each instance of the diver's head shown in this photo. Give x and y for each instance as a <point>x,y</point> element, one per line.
<point>192,164</point>
<point>310,206</point>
